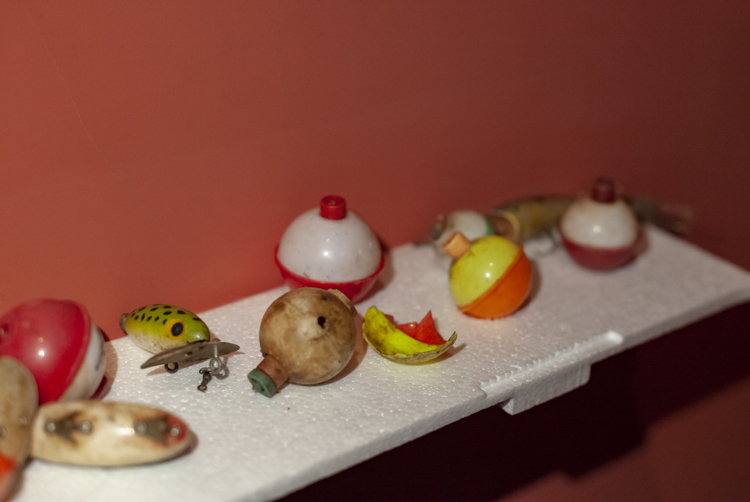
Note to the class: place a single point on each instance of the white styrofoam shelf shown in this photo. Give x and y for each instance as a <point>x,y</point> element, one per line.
<point>254,448</point>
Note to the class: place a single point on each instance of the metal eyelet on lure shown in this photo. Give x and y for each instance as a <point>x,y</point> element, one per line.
<point>201,351</point>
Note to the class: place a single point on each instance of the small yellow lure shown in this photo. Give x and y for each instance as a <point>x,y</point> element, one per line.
<point>159,327</point>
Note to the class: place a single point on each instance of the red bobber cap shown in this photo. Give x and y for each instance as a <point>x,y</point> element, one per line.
<point>604,190</point>
<point>333,207</point>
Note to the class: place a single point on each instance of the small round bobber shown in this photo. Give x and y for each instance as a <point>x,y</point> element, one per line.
<point>490,277</point>
<point>469,223</point>
<point>330,247</point>
<point>600,231</point>
<point>307,336</point>
<point>58,343</point>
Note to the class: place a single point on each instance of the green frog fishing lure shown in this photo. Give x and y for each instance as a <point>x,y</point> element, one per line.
<point>160,327</point>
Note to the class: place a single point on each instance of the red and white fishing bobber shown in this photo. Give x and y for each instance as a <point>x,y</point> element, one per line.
<point>330,248</point>
<point>600,232</point>
<point>59,344</point>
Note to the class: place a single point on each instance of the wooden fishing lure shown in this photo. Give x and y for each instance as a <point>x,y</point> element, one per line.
<point>527,218</point>
<point>159,327</point>
<point>307,336</point>
<point>18,404</point>
<point>94,433</point>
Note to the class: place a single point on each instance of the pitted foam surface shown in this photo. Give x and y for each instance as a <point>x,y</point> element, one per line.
<point>250,447</point>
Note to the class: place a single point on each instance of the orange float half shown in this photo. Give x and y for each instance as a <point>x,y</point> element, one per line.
<point>507,294</point>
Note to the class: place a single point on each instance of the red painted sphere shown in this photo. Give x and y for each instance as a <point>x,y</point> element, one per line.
<point>51,338</point>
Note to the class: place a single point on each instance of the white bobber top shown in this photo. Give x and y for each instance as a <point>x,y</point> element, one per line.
<point>330,244</point>
<point>601,221</point>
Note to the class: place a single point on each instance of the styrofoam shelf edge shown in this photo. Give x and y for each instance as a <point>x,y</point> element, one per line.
<point>544,380</point>
<point>254,448</point>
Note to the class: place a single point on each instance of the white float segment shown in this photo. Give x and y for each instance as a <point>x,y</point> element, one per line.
<point>325,250</point>
<point>254,448</point>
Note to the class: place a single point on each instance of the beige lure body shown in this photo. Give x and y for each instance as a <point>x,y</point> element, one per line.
<point>94,433</point>
<point>18,404</point>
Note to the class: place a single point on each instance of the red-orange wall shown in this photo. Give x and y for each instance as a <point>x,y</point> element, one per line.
<point>155,151</point>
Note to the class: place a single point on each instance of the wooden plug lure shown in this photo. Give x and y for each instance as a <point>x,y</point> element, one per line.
<point>156,328</point>
<point>176,335</point>
<point>18,404</point>
<point>106,434</point>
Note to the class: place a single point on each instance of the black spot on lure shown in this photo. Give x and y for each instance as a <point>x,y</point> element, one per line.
<point>159,327</point>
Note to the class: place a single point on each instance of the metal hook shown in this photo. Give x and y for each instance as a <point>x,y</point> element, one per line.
<point>217,367</point>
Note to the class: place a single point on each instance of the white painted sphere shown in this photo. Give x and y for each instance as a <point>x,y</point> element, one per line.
<point>91,372</point>
<point>470,223</point>
<point>327,250</point>
<point>606,225</point>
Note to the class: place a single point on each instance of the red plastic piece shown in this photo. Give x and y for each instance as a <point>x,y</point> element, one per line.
<point>600,258</point>
<point>7,468</point>
<point>354,290</point>
<point>604,190</point>
<point>50,337</point>
<point>333,207</point>
<point>424,332</point>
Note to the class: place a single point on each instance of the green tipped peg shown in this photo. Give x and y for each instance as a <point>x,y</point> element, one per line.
<point>261,383</point>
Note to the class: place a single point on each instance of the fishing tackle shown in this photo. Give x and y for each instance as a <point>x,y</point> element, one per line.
<point>307,336</point>
<point>600,231</point>
<point>59,343</point>
<point>490,277</point>
<point>158,327</point>
<point>531,217</point>
<point>470,223</point>
<point>330,248</point>
<point>213,351</point>
<point>106,434</point>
